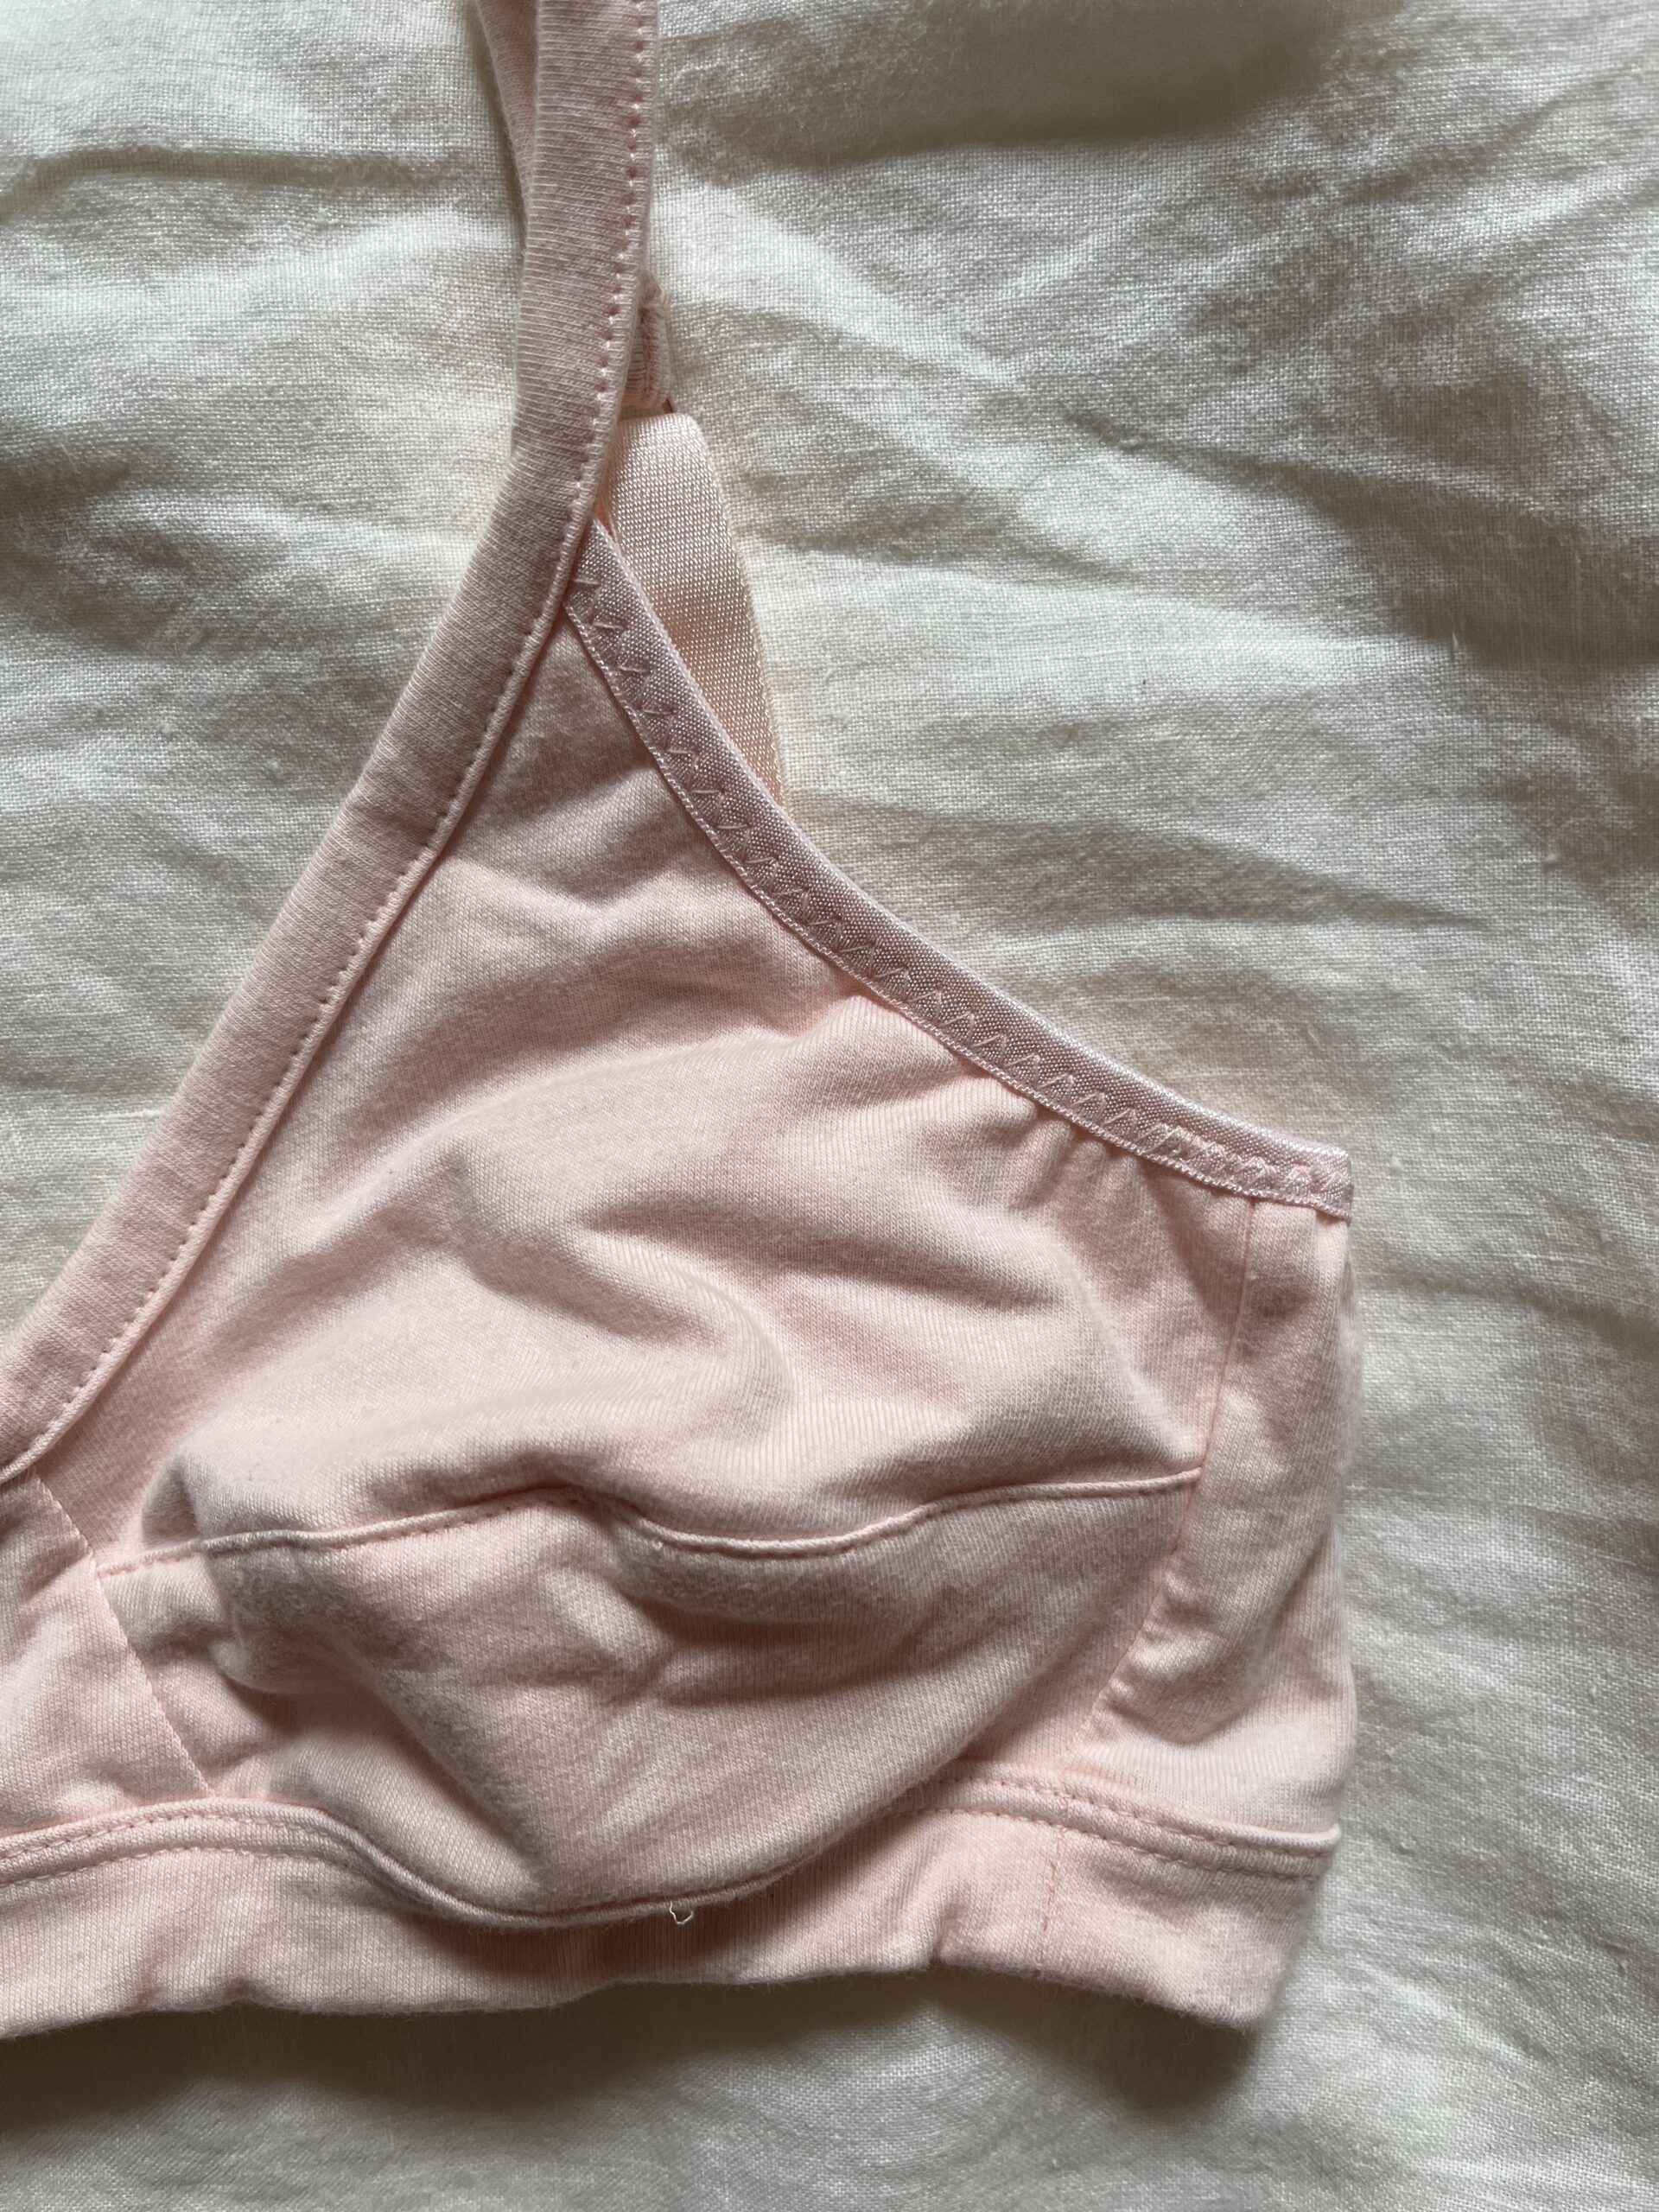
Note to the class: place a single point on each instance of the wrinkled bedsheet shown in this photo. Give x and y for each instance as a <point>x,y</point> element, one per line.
<point>1199,467</point>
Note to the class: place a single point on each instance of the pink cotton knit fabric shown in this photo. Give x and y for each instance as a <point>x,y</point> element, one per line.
<point>634,1421</point>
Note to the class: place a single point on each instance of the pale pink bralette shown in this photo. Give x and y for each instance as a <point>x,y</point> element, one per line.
<point>633,1421</point>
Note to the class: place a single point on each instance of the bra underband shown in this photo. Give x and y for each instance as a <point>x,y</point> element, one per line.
<point>633,1421</point>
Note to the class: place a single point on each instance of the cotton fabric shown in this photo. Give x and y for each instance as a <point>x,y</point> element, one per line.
<point>1396,369</point>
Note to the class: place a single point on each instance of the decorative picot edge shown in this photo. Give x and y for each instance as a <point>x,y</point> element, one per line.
<point>706,771</point>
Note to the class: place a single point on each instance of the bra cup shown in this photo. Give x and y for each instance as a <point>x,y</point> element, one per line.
<point>547,1709</point>
<point>640,1180</point>
<point>733,1365</point>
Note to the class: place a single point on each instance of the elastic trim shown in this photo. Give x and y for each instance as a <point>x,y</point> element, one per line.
<point>782,869</point>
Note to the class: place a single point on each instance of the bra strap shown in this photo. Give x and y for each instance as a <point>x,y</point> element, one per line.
<point>575,79</point>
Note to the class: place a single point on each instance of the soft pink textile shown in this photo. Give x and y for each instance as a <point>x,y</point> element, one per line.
<point>633,1421</point>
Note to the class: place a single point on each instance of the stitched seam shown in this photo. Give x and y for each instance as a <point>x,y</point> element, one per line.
<point>334,1852</point>
<point>587,469</point>
<point>1119,1843</point>
<point>928,1796</point>
<point>1285,1842</point>
<point>339,1853</point>
<point>116,1347</point>
<point>1091,1718</point>
<point>155,1297</point>
<point>297,1835</point>
<point>1160,1141</point>
<point>1183,1523</point>
<point>127,1645</point>
<point>318,1852</point>
<point>340,1843</point>
<point>1051,1895</point>
<point>772,1550</point>
<point>695,749</point>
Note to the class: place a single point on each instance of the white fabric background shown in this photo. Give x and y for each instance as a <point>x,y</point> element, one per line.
<point>1199,467</point>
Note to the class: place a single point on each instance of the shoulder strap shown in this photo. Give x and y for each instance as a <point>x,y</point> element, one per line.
<point>574,80</point>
